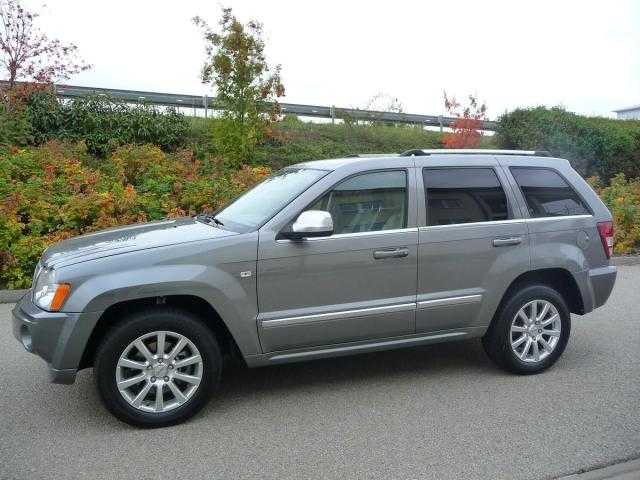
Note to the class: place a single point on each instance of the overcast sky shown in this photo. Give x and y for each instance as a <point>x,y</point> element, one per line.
<point>582,55</point>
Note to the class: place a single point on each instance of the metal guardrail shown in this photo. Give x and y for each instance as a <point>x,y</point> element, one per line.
<point>206,103</point>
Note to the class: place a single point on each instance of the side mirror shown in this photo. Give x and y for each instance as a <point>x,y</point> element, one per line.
<point>312,223</point>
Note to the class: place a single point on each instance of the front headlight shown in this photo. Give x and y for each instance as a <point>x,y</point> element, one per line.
<point>47,294</point>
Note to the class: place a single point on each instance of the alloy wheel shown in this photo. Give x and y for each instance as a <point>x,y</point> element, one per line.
<point>159,371</point>
<point>535,331</point>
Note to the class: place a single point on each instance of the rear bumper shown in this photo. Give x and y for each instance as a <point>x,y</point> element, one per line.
<point>53,336</point>
<point>595,286</point>
<point>602,281</point>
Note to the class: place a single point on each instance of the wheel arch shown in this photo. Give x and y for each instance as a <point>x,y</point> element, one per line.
<point>116,313</point>
<point>560,279</point>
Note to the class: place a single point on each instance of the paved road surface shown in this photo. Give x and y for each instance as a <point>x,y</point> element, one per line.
<point>441,412</point>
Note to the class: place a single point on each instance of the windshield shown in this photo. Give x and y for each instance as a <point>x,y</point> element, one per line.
<point>258,205</point>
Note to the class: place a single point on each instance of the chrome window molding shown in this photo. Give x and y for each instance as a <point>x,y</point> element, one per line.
<point>472,224</point>
<point>561,217</point>
<point>499,222</point>
<point>318,317</point>
<point>351,235</point>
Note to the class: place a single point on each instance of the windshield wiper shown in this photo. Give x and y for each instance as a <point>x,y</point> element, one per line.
<point>208,218</point>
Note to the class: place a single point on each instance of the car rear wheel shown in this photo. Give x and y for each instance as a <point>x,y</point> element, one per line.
<point>157,367</point>
<point>530,332</point>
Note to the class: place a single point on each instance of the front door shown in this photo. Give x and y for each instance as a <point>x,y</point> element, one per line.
<point>357,284</point>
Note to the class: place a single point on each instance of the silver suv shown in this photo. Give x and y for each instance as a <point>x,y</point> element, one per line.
<point>326,258</point>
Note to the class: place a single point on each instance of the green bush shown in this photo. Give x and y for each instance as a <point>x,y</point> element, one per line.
<point>103,123</point>
<point>595,146</point>
<point>622,197</point>
<point>292,141</point>
<point>57,191</point>
<point>14,127</point>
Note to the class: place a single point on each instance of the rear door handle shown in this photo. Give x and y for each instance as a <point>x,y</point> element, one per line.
<point>504,242</point>
<point>391,253</point>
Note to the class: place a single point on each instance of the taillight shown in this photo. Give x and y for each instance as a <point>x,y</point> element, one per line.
<point>605,229</point>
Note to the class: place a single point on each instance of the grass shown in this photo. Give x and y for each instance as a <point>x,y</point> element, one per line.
<point>294,141</point>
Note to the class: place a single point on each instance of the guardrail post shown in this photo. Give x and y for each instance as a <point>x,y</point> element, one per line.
<point>332,112</point>
<point>205,101</point>
<point>440,122</point>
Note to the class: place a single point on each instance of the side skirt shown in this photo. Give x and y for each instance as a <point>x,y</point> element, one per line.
<point>329,351</point>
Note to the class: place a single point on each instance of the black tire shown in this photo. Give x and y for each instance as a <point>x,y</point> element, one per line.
<point>497,340</point>
<point>140,323</point>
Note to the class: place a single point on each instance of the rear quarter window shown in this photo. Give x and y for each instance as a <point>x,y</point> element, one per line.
<point>548,194</point>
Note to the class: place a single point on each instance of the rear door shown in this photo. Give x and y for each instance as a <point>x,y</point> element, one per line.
<point>355,285</point>
<point>472,243</point>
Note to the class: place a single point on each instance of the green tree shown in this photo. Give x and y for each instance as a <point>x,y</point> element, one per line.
<point>246,89</point>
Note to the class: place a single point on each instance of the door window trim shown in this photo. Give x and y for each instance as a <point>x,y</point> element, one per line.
<point>510,208</point>
<point>279,239</point>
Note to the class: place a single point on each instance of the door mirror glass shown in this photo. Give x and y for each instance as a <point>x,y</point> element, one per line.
<point>312,223</point>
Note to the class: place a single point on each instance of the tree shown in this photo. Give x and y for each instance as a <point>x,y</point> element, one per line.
<point>28,54</point>
<point>246,89</point>
<point>466,129</point>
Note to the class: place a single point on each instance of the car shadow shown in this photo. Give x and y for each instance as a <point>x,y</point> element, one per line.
<point>450,362</point>
<point>432,360</point>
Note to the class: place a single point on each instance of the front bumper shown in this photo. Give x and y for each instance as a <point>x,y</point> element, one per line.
<point>58,338</point>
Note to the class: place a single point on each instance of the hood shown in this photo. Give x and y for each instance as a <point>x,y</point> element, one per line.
<point>115,241</point>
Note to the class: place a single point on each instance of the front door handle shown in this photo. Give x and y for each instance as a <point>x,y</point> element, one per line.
<point>391,253</point>
<point>504,242</point>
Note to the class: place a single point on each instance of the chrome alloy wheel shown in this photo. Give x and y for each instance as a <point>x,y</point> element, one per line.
<point>159,371</point>
<point>535,331</point>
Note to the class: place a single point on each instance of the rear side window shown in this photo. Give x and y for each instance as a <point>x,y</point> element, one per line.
<point>463,195</point>
<point>548,194</point>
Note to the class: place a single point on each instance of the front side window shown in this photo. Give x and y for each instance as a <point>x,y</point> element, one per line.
<point>547,194</point>
<point>463,195</point>
<point>366,203</point>
<point>263,201</point>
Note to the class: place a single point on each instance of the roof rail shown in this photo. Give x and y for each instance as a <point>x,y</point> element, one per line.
<point>371,155</point>
<point>417,152</point>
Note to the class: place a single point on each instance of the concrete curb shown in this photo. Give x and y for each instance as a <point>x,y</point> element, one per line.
<point>629,470</point>
<point>12,296</point>
<point>625,260</point>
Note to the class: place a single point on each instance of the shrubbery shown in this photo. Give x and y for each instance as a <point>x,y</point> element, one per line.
<point>61,188</point>
<point>58,190</point>
<point>291,141</point>
<point>622,196</point>
<point>595,146</point>
<point>103,124</point>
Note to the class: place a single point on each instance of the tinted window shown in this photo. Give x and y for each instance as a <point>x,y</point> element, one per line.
<point>367,202</point>
<point>463,195</point>
<point>547,194</point>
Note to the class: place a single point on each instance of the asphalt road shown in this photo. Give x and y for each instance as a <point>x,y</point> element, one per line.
<point>442,412</point>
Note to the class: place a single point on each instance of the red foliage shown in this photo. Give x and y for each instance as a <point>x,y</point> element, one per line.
<point>28,54</point>
<point>466,129</point>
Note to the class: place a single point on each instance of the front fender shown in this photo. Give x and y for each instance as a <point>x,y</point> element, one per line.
<point>230,296</point>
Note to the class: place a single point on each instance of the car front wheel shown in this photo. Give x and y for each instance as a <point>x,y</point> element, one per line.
<point>157,367</point>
